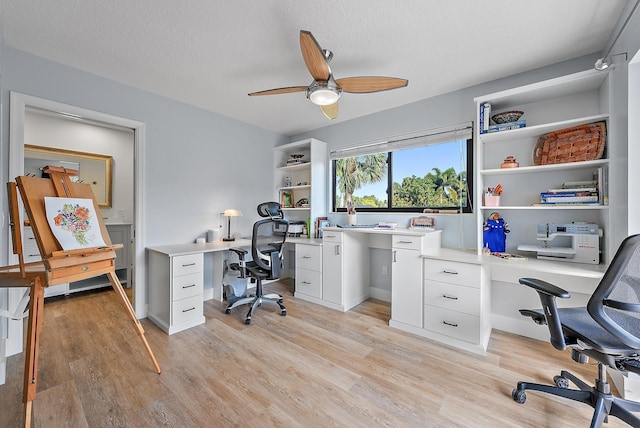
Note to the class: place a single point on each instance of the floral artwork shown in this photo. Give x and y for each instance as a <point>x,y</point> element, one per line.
<point>74,222</point>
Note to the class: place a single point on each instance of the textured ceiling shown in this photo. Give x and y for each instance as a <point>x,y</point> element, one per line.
<point>211,54</point>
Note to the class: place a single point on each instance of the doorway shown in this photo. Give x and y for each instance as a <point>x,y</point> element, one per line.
<point>20,107</point>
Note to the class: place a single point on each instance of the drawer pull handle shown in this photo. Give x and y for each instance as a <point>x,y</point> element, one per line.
<point>337,250</point>
<point>189,264</point>
<point>450,272</point>
<point>188,286</point>
<point>306,257</point>
<point>329,236</point>
<point>405,242</point>
<point>190,309</point>
<point>449,297</point>
<point>452,324</point>
<point>34,255</point>
<point>395,256</point>
<point>306,282</point>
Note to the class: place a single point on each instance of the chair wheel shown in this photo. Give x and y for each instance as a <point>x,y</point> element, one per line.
<point>283,313</point>
<point>227,311</point>
<point>518,396</point>
<point>561,382</point>
<point>280,300</point>
<point>247,321</point>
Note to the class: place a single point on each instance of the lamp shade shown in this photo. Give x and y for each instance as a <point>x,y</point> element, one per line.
<point>324,96</point>
<point>232,213</point>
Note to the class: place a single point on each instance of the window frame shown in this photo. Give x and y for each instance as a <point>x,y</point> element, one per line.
<point>389,209</point>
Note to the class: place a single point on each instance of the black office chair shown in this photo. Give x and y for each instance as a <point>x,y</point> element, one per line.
<point>267,243</point>
<point>607,330</point>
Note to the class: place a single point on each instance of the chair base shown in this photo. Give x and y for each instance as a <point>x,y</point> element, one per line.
<point>604,403</point>
<point>272,299</point>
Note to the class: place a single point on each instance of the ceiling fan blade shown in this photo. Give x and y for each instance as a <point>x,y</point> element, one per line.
<point>277,91</point>
<point>314,57</point>
<point>366,84</point>
<point>331,111</point>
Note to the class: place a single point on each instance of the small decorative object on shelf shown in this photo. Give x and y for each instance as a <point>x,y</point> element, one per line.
<point>509,162</point>
<point>492,197</point>
<point>507,116</point>
<point>495,231</point>
<point>296,158</point>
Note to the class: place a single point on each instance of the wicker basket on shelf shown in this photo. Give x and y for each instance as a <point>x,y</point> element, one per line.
<point>575,144</point>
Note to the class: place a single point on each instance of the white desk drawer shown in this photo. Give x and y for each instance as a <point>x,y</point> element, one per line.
<point>451,296</point>
<point>186,309</point>
<point>309,257</point>
<point>187,286</point>
<point>331,236</point>
<point>309,282</point>
<point>453,272</point>
<point>407,242</point>
<point>187,264</point>
<point>451,323</point>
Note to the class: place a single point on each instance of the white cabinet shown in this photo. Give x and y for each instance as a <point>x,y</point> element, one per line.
<point>551,105</point>
<point>454,293</point>
<point>332,267</point>
<point>406,279</point>
<point>301,187</point>
<point>345,269</point>
<point>176,290</point>
<point>308,271</point>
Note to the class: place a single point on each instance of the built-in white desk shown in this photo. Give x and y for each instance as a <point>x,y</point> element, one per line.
<point>452,296</point>
<point>176,278</point>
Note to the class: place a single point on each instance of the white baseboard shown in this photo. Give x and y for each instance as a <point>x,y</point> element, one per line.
<point>380,294</point>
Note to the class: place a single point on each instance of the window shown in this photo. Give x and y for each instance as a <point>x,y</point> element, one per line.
<point>429,171</point>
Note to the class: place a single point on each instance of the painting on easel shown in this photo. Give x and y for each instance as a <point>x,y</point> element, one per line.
<point>74,222</point>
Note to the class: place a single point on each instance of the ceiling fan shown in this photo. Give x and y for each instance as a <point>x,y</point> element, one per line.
<point>325,90</point>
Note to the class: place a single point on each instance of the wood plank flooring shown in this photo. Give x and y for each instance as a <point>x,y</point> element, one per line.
<point>313,368</point>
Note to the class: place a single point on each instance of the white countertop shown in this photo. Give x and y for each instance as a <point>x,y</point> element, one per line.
<point>383,231</point>
<point>531,264</point>
<point>191,248</point>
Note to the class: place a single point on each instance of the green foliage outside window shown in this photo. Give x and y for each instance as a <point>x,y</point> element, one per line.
<point>437,188</point>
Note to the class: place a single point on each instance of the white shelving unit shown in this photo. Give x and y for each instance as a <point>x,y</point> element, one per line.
<point>308,180</point>
<point>551,105</point>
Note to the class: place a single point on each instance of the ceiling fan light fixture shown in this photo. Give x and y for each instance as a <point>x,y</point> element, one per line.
<point>324,95</point>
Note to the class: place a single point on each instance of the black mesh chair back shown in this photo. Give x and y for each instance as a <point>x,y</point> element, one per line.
<point>267,243</point>
<point>615,304</point>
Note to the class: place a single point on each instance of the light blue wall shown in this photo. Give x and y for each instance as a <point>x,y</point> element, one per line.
<point>195,160</point>
<point>448,109</point>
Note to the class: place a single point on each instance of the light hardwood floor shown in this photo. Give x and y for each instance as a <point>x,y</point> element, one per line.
<point>313,368</point>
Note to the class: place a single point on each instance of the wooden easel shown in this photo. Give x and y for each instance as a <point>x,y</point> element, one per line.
<point>62,266</point>
<point>35,282</point>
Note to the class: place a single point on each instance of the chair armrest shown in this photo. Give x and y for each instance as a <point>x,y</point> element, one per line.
<point>544,287</point>
<point>548,294</point>
<point>239,251</point>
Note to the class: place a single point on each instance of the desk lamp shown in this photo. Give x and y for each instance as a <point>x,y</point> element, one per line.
<point>228,214</point>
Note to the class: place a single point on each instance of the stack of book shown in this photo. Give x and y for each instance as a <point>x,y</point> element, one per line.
<point>572,193</point>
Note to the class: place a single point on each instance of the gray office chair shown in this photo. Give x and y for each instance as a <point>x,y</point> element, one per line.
<point>607,330</point>
<point>267,243</point>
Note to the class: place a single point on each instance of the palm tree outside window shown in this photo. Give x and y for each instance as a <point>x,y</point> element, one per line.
<point>434,176</point>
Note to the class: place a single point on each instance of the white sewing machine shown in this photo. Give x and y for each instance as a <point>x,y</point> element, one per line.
<point>582,239</point>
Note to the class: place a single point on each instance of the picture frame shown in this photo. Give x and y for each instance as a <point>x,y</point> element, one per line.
<point>319,225</point>
<point>94,169</point>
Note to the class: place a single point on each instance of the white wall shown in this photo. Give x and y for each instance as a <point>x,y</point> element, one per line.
<point>193,158</point>
<point>42,129</point>
<point>448,109</point>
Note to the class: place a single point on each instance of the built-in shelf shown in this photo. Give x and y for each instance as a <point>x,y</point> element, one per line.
<point>537,130</point>
<point>537,169</point>
<point>545,208</point>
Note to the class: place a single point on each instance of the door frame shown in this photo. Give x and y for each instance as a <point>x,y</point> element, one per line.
<point>18,104</point>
